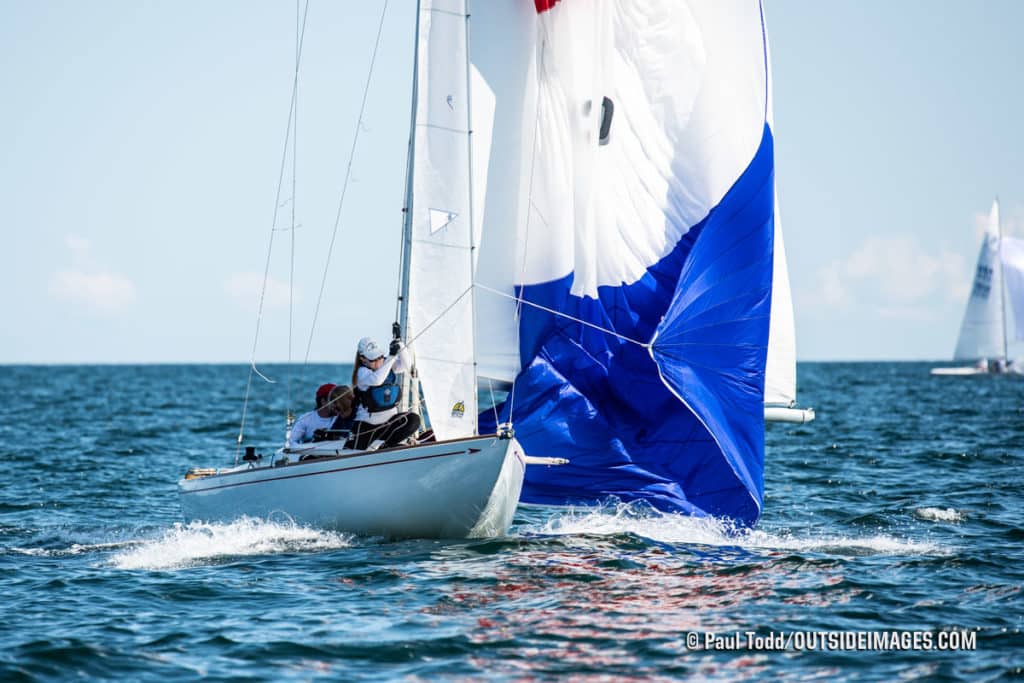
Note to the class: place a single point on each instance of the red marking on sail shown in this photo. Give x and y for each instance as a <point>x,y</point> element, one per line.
<point>544,5</point>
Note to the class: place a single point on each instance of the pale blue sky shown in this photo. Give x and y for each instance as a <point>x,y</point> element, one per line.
<point>142,141</point>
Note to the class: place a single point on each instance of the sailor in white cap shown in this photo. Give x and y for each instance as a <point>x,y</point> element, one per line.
<point>378,423</point>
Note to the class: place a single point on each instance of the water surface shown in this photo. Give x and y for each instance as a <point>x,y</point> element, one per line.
<point>899,509</point>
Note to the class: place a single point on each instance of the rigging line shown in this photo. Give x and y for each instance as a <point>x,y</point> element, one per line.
<point>467,46</point>
<point>295,147</point>
<point>447,129</point>
<point>529,204</point>
<point>270,248</point>
<point>401,295</point>
<point>451,13</point>
<point>440,315</point>
<point>409,379</point>
<point>344,187</point>
<point>443,245</point>
<point>398,293</point>
<point>494,403</point>
<point>264,377</point>
<point>560,314</point>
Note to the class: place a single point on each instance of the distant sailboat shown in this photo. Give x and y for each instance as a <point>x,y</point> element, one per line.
<point>780,404</point>
<point>983,332</point>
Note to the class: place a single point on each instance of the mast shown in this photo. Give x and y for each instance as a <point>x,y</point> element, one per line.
<point>406,251</point>
<point>472,234</point>
<point>999,261</point>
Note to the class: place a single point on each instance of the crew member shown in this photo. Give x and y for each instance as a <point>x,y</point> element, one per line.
<point>378,423</point>
<point>321,418</point>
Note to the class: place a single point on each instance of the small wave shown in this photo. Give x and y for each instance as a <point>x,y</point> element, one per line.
<point>197,543</point>
<point>683,529</point>
<point>940,514</point>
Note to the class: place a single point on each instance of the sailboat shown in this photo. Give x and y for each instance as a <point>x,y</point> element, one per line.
<point>983,332</point>
<point>593,275</point>
<point>780,399</point>
<point>459,483</point>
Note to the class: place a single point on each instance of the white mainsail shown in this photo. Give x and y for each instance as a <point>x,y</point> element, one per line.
<point>982,333</point>
<point>439,234</point>
<point>780,370</point>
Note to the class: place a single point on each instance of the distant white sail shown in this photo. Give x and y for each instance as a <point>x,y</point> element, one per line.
<point>981,334</point>
<point>780,370</point>
<point>780,367</point>
<point>1012,257</point>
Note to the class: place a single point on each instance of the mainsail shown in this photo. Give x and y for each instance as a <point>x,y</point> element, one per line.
<point>982,333</point>
<point>611,249</point>
<point>439,239</point>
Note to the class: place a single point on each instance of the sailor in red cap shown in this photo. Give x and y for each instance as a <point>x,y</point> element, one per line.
<point>321,418</point>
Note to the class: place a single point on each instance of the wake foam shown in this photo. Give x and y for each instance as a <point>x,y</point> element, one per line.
<point>199,543</point>
<point>73,549</point>
<point>685,530</point>
<point>940,514</point>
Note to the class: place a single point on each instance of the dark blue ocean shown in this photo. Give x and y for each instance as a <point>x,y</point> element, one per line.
<point>898,510</point>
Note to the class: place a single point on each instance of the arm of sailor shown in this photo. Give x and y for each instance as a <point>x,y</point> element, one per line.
<point>366,378</point>
<point>299,431</point>
<point>403,361</point>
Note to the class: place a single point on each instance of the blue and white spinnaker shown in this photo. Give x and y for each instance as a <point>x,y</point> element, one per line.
<point>619,211</point>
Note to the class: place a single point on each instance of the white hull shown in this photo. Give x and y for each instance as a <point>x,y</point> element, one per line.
<point>450,489</point>
<point>972,370</point>
<point>793,415</point>
<point>959,371</point>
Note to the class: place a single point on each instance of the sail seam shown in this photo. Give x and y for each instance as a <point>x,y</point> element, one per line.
<point>699,419</point>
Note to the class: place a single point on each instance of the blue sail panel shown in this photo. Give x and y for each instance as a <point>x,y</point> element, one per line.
<point>680,424</point>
